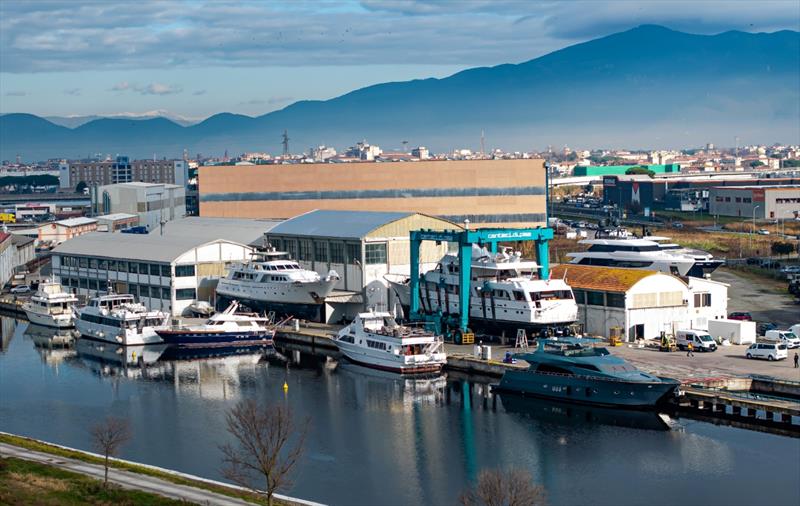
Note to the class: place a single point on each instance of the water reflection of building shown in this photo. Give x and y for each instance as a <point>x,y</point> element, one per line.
<point>7,326</point>
<point>53,345</point>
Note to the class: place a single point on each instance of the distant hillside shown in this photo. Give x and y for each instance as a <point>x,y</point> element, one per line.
<point>646,87</point>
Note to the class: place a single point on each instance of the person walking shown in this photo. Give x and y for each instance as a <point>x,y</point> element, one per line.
<point>796,360</point>
<point>690,350</point>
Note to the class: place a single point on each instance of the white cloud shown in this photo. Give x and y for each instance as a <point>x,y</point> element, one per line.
<point>158,89</point>
<point>121,86</point>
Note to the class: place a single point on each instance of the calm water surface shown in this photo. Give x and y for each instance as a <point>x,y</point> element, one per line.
<point>378,439</point>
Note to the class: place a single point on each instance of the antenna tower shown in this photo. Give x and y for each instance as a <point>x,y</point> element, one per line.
<point>285,143</point>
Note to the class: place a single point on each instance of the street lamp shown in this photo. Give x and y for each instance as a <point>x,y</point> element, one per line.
<point>753,230</point>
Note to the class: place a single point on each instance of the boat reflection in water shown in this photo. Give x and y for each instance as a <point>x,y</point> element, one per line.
<point>417,389</point>
<point>547,410</point>
<point>110,359</point>
<point>54,345</point>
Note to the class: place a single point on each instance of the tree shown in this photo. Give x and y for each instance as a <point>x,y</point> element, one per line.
<point>81,187</point>
<point>640,170</point>
<point>756,163</point>
<point>782,248</point>
<point>108,437</point>
<point>791,163</point>
<point>514,487</point>
<point>267,446</point>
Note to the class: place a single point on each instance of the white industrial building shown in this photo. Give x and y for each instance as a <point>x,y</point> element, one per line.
<point>153,203</point>
<point>166,272</point>
<point>641,303</point>
<point>6,258</point>
<point>63,230</point>
<point>361,246</point>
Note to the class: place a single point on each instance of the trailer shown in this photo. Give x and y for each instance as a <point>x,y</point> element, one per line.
<point>735,331</point>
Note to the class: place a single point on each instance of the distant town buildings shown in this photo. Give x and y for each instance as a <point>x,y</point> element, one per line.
<point>122,170</point>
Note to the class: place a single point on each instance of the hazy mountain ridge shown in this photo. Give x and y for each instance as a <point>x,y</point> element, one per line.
<point>649,86</point>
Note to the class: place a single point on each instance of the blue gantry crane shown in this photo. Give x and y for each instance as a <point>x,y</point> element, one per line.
<point>456,325</point>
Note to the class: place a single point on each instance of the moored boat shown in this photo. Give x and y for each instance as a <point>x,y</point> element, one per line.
<point>574,370</point>
<point>51,306</point>
<point>119,319</point>
<point>226,328</point>
<point>376,340</point>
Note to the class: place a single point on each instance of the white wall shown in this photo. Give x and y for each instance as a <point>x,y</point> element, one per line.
<point>6,261</point>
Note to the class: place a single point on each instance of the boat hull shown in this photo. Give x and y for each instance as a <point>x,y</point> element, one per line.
<point>48,320</point>
<point>589,389</point>
<point>116,335</point>
<point>206,339</point>
<point>384,361</point>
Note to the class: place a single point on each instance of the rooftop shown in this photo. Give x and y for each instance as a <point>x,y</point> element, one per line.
<point>76,222</point>
<point>607,279</point>
<point>116,216</point>
<point>339,224</point>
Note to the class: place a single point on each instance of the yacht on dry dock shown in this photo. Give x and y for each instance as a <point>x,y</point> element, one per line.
<point>376,340</point>
<point>51,306</point>
<point>271,283</point>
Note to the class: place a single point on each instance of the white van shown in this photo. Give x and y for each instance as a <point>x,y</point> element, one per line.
<point>770,351</point>
<point>700,339</point>
<point>786,337</point>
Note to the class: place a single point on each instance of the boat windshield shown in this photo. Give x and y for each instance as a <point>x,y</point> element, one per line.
<point>552,295</point>
<point>576,351</point>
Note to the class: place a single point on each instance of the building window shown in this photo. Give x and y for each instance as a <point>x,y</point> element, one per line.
<point>165,293</point>
<point>133,267</point>
<point>133,290</point>
<point>580,296</point>
<point>165,271</point>
<point>739,200</point>
<point>305,250</point>
<point>353,253</point>
<point>290,246</point>
<point>594,298</point>
<point>185,294</point>
<point>337,252</point>
<point>184,271</point>
<point>747,200</point>
<point>615,299</point>
<point>702,300</point>
<point>143,268</point>
<point>93,263</point>
<point>321,251</point>
<point>102,264</point>
<point>727,199</point>
<point>83,262</point>
<point>375,253</point>
<point>155,269</point>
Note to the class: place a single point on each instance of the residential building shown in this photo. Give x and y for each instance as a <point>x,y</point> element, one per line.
<point>122,170</point>
<point>362,247</point>
<point>152,203</point>
<point>166,272</point>
<point>59,231</point>
<point>757,202</point>
<point>499,192</point>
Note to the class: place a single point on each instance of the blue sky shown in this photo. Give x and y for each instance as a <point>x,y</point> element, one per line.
<point>194,58</point>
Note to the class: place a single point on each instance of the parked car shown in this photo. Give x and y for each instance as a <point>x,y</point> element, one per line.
<point>677,224</point>
<point>21,289</point>
<point>770,351</point>
<point>790,269</point>
<point>770,264</point>
<point>753,261</point>
<point>795,329</point>
<point>783,337</point>
<point>740,315</point>
<point>763,231</point>
<point>764,327</point>
<point>700,339</point>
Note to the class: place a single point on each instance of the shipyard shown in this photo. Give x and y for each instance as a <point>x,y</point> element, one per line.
<point>391,253</point>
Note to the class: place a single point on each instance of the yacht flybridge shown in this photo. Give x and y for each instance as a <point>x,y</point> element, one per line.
<point>649,252</point>
<point>270,282</point>
<point>505,292</point>
<point>51,306</point>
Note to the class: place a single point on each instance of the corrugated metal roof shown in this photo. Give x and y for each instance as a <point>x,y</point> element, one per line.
<point>607,279</point>
<point>179,237</point>
<point>75,222</point>
<point>338,224</point>
<point>115,216</point>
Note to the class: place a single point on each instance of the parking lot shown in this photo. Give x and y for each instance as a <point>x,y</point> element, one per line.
<point>761,298</point>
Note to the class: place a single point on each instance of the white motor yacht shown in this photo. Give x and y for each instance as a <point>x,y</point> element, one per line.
<point>269,283</point>
<point>505,292</point>
<point>51,306</point>
<point>119,319</point>
<point>376,340</point>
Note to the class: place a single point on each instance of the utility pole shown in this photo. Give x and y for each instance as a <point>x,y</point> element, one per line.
<point>285,143</point>
<point>483,152</point>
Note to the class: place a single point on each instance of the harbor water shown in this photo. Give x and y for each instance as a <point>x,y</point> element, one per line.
<point>375,438</point>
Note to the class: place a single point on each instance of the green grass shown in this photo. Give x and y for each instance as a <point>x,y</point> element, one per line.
<point>33,444</point>
<point>25,482</point>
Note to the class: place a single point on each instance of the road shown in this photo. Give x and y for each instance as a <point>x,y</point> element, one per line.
<point>125,479</point>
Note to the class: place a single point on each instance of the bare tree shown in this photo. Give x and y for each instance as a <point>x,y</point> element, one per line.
<point>108,437</point>
<point>268,445</point>
<point>514,487</point>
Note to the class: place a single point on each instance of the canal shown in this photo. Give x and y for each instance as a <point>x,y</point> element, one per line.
<point>379,439</point>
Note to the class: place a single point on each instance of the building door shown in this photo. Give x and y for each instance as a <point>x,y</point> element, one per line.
<point>638,331</point>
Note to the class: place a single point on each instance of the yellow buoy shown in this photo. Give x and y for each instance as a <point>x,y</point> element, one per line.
<point>285,386</point>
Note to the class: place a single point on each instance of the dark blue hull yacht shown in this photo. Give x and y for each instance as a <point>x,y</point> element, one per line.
<point>573,370</point>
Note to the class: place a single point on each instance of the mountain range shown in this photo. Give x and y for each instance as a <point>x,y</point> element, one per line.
<point>646,87</point>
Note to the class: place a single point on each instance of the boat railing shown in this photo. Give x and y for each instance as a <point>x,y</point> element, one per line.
<point>588,376</point>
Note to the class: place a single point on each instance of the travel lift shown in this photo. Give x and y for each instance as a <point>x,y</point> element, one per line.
<point>454,325</point>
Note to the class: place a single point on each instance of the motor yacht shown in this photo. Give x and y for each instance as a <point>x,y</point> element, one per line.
<point>574,370</point>
<point>271,283</point>
<point>226,328</point>
<point>119,319</point>
<point>376,340</point>
<point>51,306</point>
<point>505,292</point>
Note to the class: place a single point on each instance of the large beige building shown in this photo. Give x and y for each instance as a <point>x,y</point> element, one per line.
<point>500,192</point>
<point>122,170</point>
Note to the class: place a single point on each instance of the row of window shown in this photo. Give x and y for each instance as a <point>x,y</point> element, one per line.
<point>702,300</point>
<point>376,344</point>
<point>594,298</point>
<point>745,200</point>
<point>155,292</point>
<point>331,251</point>
<point>124,266</point>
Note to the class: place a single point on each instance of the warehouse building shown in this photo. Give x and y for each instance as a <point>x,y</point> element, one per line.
<point>166,272</point>
<point>641,303</point>
<point>603,170</point>
<point>362,247</point>
<point>152,203</point>
<point>59,231</point>
<point>503,192</point>
<point>758,202</point>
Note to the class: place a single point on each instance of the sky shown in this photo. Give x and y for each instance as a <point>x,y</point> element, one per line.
<point>191,59</point>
